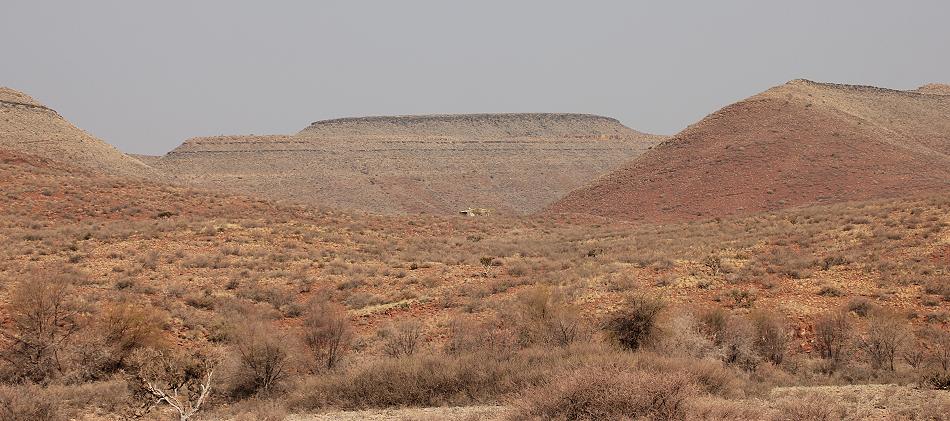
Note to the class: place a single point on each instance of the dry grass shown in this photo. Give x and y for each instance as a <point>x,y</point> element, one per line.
<point>162,267</point>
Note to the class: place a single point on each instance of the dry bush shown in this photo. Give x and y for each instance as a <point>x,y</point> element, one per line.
<point>809,407</point>
<point>832,338</point>
<point>937,371</point>
<point>468,335</point>
<point>860,306</point>
<point>636,324</point>
<point>713,322</point>
<point>682,336</point>
<point>126,327</point>
<point>402,338</point>
<point>541,316</point>
<point>28,403</point>
<point>255,409</point>
<point>182,380</point>
<point>108,396</point>
<point>738,344</point>
<point>420,380</point>
<point>882,342</point>
<point>263,355</point>
<point>771,335</point>
<point>326,332</point>
<point>44,317</point>
<point>609,392</point>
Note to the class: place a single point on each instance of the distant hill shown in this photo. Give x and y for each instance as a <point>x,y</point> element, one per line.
<point>513,163</point>
<point>796,144</point>
<point>28,126</point>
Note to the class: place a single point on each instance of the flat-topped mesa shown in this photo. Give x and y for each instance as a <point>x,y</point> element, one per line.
<point>805,85</point>
<point>512,163</point>
<point>237,143</point>
<point>934,89</point>
<point>474,126</point>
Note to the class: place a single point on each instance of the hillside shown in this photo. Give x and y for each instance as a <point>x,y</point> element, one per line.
<point>172,269</point>
<point>30,127</point>
<point>512,163</point>
<point>797,144</point>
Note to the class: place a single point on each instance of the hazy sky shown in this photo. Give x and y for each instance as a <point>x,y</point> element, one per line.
<point>145,76</point>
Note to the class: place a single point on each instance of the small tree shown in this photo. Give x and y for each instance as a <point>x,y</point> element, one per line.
<point>884,339</point>
<point>327,333</point>
<point>44,318</point>
<point>403,338</point>
<point>636,323</point>
<point>832,333</point>
<point>940,351</point>
<point>182,382</point>
<point>263,356</point>
<point>771,336</point>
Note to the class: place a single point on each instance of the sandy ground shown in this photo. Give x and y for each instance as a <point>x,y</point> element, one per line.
<point>444,413</point>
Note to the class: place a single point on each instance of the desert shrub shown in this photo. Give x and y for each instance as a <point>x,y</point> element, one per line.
<point>541,316</point>
<point>326,332</point>
<point>255,409</point>
<point>402,338</point>
<point>126,327</point>
<point>419,380</point>
<point>832,336</point>
<point>738,344</point>
<point>713,322</point>
<point>28,403</point>
<point>883,340</point>
<point>742,298</point>
<point>937,378</point>
<point>518,268</point>
<point>363,299</point>
<point>860,306</point>
<point>468,335</point>
<point>44,317</point>
<point>180,379</point>
<point>106,396</point>
<point>809,407</point>
<point>939,354</point>
<point>830,291</point>
<point>636,324</point>
<point>263,357</point>
<point>609,392</point>
<point>682,336</point>
<point>771,335</point>
<point>710,375</point>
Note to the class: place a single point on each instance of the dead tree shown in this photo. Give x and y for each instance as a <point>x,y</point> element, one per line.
<point>182,382</point>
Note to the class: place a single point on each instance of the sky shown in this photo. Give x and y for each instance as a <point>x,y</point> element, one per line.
<point>145,76</point>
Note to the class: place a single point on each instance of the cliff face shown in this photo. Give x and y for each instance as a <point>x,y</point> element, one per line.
<point>514,163</point>
<point>28,126</point>
<point>797,144</point>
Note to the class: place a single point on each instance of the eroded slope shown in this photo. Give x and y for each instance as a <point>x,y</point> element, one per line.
<point>30,127</point>
<point>797,144</point>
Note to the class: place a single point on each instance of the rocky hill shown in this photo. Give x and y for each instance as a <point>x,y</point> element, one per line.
<point>28,126</point>
<point>513,163</point>
<point>796,144</point>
